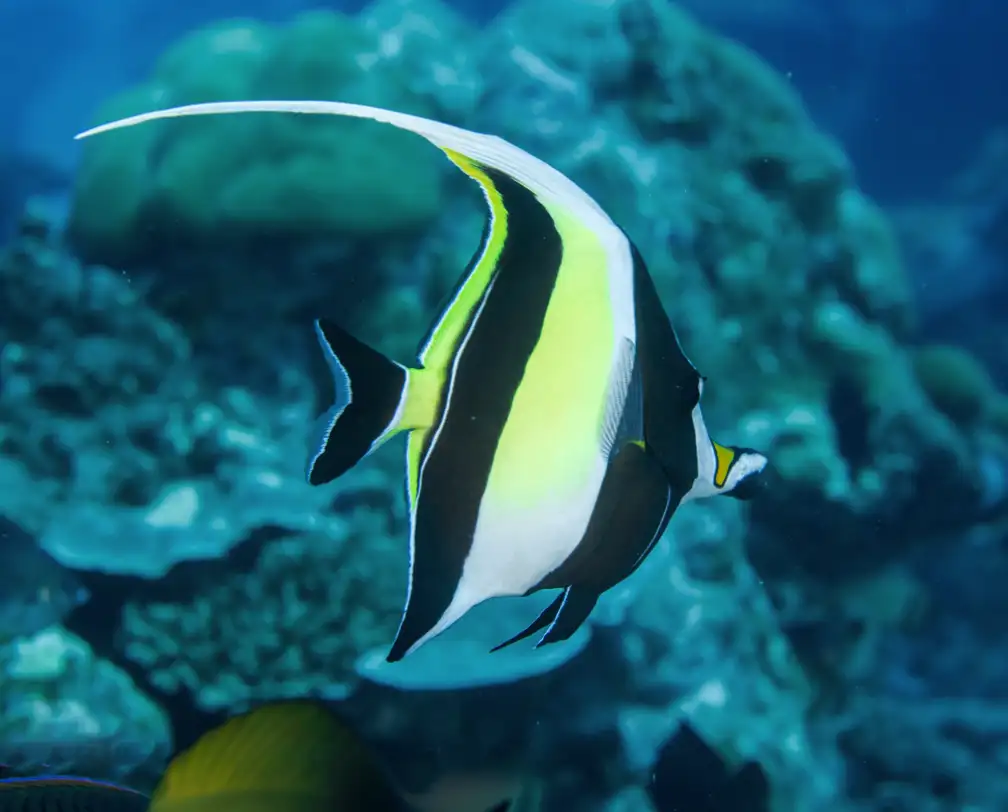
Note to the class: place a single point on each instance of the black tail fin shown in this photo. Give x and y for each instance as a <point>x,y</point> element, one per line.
<point>370,390</point>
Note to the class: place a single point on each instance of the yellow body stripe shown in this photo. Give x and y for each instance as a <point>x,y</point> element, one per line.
<point>724,458</point>
<point>551,439</point>
<point>439,353</point>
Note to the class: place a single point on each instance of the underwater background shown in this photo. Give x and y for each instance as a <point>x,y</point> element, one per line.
<point>820,188</point>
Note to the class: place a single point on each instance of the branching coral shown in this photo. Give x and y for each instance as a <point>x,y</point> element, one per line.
<point>294,625</point>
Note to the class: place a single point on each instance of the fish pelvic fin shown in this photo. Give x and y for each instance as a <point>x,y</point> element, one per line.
<point>561,619</point>
<point>375,399</point>
<point>291,756</point>
<point>544,621</point>
<point>577,605</point>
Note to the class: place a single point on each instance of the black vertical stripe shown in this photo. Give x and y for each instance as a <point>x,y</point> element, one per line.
<point>634,506</point>
<point>490,369</point>
<point>445,304</point>
<point>671,383</point>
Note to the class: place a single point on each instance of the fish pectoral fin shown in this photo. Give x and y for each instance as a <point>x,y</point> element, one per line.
<point>633,509</point>
<point>622,418</point>
<point>375,399</point>
<point>577,605</point>
<point>545,619</point>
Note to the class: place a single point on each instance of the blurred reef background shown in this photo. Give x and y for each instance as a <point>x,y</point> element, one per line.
<point>821,192</point>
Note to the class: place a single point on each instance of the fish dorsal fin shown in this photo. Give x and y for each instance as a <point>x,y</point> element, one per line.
<point>474,154</point>
<point>295,755</point>
<point>547,183</point>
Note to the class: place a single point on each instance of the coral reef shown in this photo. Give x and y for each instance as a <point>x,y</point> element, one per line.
<point>294,625</point>
<point>114,447</point>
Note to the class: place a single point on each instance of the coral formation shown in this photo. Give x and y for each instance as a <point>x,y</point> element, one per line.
<point>292,626</point>
<point>115,449</point>
<point>956,383</point>
<point>64,710</point>
<point>142,192</point>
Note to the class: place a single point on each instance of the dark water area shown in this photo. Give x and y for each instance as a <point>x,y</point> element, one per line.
<point>929,91</point>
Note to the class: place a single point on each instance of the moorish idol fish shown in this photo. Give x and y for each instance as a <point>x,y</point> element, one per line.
<point>289,756</point>
<point>553,421</point>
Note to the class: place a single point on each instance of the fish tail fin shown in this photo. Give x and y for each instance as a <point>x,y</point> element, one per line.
<point>291,756</point>
<point>375,399</point>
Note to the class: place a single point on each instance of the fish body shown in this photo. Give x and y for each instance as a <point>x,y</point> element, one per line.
<point>480,409</point>
<point>290,756</point>
<point>44,591</point>
<point>551,387</point>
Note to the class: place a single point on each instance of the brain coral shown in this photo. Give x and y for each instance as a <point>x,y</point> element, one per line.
<point>189,183</point>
